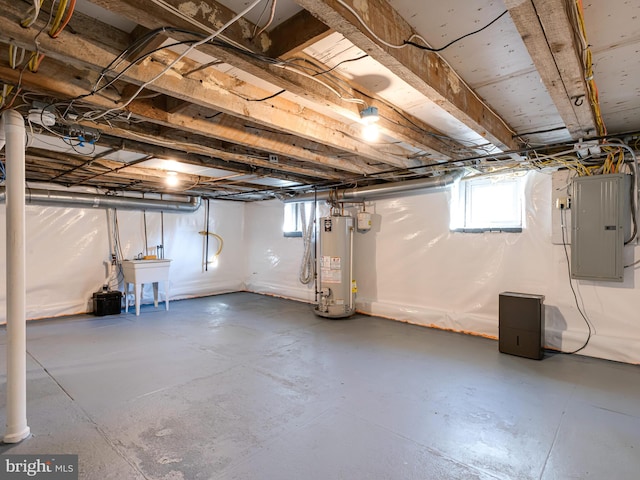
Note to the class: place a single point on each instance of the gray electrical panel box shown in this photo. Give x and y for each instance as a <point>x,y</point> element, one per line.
<point>600,224</point>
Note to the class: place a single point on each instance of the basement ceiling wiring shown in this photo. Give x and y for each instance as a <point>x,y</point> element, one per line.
<point>409,41</point>
<point>107,71</point>
<point>272,14</point>
<point>416,36</point>
<point>580,31</point>
<point>176,60</point>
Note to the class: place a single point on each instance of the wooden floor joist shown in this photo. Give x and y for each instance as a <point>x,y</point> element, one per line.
<point>425,71</point>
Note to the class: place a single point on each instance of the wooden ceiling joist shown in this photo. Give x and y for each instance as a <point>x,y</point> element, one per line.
<point>58,81</point>
<point>548,34</point>
<point>295,34</point>
<point>215,93</point>
<point>145,13</point>
<point>425,71</point>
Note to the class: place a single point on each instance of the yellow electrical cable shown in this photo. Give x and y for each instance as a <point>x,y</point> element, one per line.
<point>33,13</point>
<point>588,65</point>
<point>12,56</point>
<point>6,91</point>
<point>54,33</point>
<point>58,18</point>
<point>218,237</point>
<point>35,61</point>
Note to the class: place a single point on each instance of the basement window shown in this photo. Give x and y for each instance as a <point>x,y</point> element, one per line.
<point>488,204</point>
<point>292,226</point>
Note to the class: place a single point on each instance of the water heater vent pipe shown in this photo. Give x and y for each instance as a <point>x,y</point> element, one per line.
<point>380,190</point>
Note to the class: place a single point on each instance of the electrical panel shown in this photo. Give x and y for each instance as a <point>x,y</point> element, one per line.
<point>600,224</point>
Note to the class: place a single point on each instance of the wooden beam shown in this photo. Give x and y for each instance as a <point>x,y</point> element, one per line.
<point>425,71</point>
<point>401,125</point>
<point>117,173</point>
<point>295,34</point>
<point>60,80</point>
<point>301,85</point>
<point>548,34</point>
<point>210,90</point>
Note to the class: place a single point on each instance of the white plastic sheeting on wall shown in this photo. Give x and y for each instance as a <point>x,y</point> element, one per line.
<point>274,260</point>
<point>67,248</point>
<point>412,268</point>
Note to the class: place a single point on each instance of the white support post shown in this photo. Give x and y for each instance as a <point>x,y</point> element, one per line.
<point>17,428</point>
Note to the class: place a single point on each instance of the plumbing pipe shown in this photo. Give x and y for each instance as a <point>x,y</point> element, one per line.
<point>380,190</point>
<point>35,196</point>
<point>17,428</point>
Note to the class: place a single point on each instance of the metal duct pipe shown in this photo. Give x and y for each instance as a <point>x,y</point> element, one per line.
<point>17,428</point>
<point>374,191</point>
<point>35,196</point>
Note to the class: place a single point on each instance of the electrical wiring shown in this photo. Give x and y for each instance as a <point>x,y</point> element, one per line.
<point>430,49</point>
<point>272,14</point>
<point>349,60</point>
<point>138,45</point>
<point>33,13</point>
<point>34,61</point>
<point>390,45</point>
<point>314,74</point>
<point>575,295</point>
<point>577,9</point>
<point>325,85</point>
<point>63,22</point>
<point>6,91</point>
<point>265,98</point>
<point>180,57</point>
<point>256,25</point>
<point>409,42</point>
<point>55,25</point>
<point>14,60</point>
<point>636,184</point>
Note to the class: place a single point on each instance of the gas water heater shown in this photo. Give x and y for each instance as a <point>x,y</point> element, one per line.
<point>336,288</point>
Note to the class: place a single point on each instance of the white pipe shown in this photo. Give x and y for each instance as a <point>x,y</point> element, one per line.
<point>2,141</point>
<point>17,429</point>
<point>351,294</point>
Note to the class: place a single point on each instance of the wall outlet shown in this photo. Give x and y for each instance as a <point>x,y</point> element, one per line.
<point>563,203</point>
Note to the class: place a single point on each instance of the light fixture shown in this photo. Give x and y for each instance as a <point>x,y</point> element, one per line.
<point>172,178</point>
<point>370,117</point>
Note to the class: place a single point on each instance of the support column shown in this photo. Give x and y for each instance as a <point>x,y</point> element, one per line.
<point>17,428</point>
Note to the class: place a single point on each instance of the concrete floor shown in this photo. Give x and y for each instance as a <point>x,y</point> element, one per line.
<point>243,386</point>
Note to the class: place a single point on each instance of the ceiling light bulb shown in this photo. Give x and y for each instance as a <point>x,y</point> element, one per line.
<point>369,115</point>
<point>370,132</point>
<point>172,179</point>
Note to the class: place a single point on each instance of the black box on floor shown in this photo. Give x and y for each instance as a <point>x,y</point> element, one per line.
<point>107,302</point>
<point>521,325</point>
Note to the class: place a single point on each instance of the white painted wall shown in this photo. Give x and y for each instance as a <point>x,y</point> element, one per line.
<point>410,267</point>
<point>66,248</point>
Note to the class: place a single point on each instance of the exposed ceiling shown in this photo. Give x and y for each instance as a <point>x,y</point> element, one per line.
<point>267,107</point>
